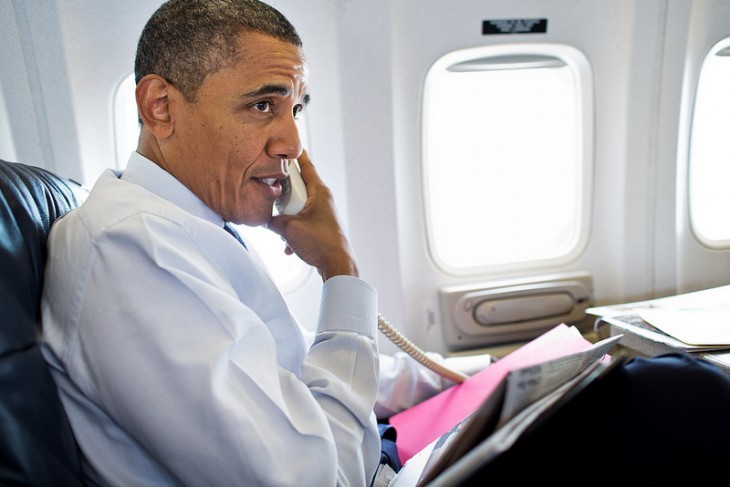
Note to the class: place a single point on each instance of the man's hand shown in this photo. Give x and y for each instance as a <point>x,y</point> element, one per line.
<point>315,234</point>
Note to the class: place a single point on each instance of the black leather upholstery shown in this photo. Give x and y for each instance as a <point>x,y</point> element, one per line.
<point>36,443</point>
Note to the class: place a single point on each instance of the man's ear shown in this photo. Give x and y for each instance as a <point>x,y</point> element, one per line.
<point>153,105</point>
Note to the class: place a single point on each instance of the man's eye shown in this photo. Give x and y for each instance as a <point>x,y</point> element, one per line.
<point>263,106</point>
<point>297,110</point>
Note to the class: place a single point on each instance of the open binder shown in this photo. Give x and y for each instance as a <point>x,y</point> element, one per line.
<point>521,399</point>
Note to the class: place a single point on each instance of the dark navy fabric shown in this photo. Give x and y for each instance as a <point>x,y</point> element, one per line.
<point>658,421</point>
<point>229,228</point>
<point>388,448</point>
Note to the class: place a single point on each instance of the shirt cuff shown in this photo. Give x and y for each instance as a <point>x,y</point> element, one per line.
<point>469,364</point>
<point>350,304</point>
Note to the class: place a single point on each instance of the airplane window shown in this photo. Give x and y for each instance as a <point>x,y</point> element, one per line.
<point>507,147</point>
<point>709,171</point>
<point>288,271</point>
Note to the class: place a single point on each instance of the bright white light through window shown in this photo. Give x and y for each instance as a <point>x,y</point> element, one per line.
<point>709,159</point>
<point>507,157</point>
<point>287,271</point>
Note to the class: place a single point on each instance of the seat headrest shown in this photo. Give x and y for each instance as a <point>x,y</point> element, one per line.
<point>31,199</point>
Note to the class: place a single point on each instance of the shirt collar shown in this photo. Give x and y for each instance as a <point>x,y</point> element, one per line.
<point>153,178</point>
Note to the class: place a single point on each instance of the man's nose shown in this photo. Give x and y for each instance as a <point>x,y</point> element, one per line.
<point>285,142</point>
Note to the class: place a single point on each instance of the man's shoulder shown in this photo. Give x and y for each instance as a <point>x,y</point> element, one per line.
<point>113,201</point>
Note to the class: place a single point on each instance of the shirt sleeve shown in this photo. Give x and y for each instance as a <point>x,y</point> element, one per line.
<point>404,383</point>
<point>188,377</point>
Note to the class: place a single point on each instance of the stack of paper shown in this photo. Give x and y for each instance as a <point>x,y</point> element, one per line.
<point>693,322</point>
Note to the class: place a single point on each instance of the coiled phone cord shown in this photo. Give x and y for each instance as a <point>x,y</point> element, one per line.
<point>419,355</point>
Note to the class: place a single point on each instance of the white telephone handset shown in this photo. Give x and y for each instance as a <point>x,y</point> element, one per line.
<point>293,191</point>
<point>291,202</point>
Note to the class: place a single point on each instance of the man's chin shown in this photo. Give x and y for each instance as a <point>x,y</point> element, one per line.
<point>261,220</point>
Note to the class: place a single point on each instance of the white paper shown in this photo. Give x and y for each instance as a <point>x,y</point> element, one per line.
<point>700,318</point>
<point>713,298</point>
<point>692,326</point>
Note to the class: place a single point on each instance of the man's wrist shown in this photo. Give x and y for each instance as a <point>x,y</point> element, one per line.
<point>343,267</point>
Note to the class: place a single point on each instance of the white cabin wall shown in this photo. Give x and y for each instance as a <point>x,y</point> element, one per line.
<point>99,39</point>
<point>623,42</point>
<point>368,98</point>
<point>24,101</point>
<point>8,39</point>
<point>62,61</point>
<point>666,280</point>
<point>7,143</point>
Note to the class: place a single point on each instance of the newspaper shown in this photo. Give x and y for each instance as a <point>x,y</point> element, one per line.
<point>522,397</point>
<point>526,385</point>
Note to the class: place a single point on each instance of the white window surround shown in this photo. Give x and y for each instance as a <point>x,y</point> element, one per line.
<point>709,151</point>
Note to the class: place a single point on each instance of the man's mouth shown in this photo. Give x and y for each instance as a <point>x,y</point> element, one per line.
<point>272,186</point>
<point>268,181</point>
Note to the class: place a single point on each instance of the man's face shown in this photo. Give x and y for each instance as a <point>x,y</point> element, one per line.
<point>228,144</point>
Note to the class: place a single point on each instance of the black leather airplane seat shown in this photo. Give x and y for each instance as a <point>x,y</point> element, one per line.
<point>37,446</point>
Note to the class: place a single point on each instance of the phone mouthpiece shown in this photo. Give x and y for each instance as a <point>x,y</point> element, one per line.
<point>285,165</point>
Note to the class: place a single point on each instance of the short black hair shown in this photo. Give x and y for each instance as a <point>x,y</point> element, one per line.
<point>185,40</point>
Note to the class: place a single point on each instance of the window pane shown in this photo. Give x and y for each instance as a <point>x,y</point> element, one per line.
<point>504,163</point>
<point>288,272</point>
<point>709,160</point>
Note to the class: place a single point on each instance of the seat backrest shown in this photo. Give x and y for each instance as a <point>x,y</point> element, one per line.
<point>37,446</point>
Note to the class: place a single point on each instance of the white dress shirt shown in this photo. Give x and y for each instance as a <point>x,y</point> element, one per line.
<point>178,361</point>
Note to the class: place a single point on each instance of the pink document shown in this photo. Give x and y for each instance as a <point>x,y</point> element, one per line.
<point>420,425</point>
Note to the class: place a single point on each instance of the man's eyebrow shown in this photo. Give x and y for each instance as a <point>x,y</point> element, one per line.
<point>274,90</point>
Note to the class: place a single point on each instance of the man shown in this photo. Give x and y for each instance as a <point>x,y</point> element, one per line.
<point>176,357</point>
